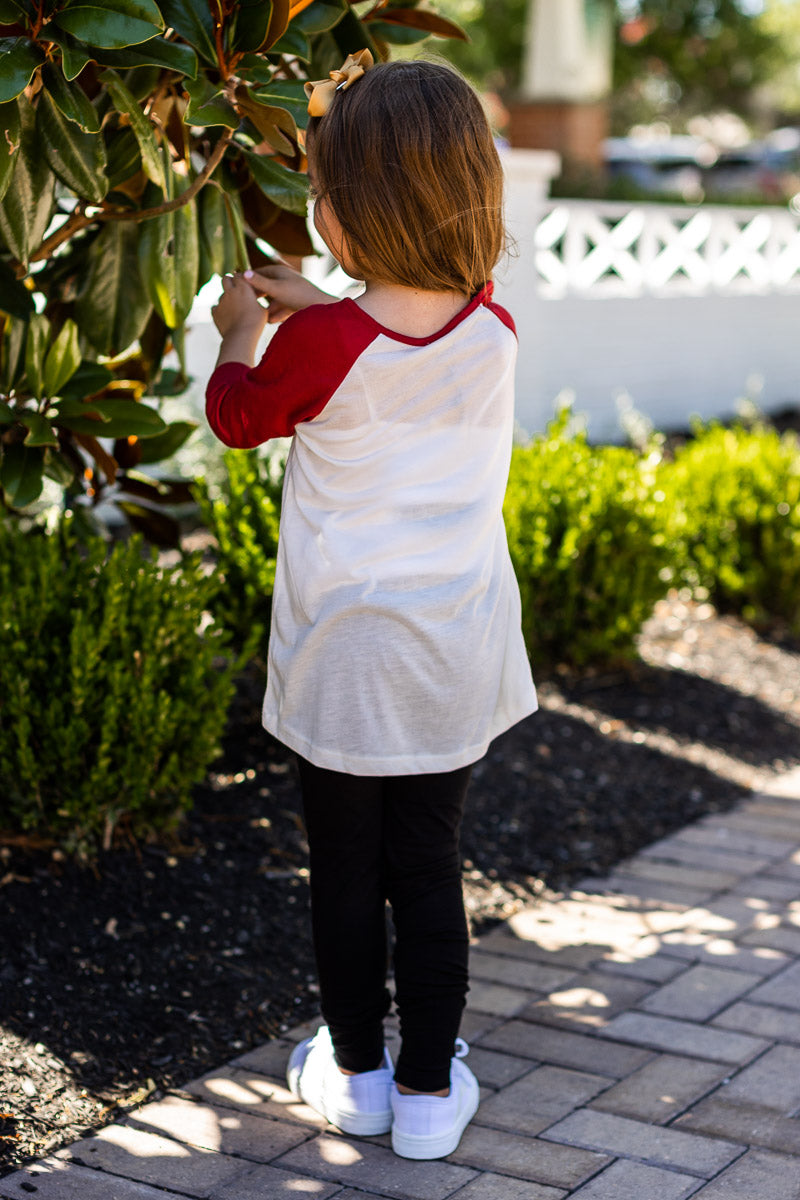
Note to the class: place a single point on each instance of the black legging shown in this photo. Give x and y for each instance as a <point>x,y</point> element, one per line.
<point>395,838</point>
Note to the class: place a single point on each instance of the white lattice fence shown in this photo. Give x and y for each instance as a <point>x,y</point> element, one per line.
<point>595,249</point>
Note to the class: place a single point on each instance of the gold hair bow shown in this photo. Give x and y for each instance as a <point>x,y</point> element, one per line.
<point>320,94</point>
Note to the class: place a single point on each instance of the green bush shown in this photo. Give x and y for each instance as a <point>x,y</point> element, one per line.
<point>112,701</point>
<point>243,516</point>
<point>586,531</point>
<point>733,496</point>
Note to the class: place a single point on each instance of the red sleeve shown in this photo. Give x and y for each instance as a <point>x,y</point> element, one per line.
<point>303,365</point>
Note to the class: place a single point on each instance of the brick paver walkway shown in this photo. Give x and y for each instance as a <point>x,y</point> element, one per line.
<point>637,1039</point>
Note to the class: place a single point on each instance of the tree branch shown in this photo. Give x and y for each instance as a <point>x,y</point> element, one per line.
<point>168,206</point>
<point>79,220</point>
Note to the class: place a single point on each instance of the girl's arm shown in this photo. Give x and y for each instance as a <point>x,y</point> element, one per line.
<point>304,363</point>
<point>240,319</point>
<point>286,290</point>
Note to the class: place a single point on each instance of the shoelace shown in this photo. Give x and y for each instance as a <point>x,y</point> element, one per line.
<point>462,1049</point>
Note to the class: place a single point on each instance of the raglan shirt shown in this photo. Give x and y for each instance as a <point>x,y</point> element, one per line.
<point>395,646</point>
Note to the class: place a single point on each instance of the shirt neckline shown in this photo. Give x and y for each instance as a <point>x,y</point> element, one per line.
<point>482,297</point>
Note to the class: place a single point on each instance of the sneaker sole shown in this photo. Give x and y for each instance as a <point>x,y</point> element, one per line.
<point>422,1146</point>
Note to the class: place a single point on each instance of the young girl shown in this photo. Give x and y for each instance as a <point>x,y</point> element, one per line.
<point>395,652</point>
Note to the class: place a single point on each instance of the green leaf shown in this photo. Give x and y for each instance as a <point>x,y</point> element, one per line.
<point>111,419</point>
<point>208,106</point>
<point>398,34</point>
<point>9,142</point>
<point>256,68</point>
<point>12,348</point>
<point>86,421</point>
<point>28,204</point>
<point>217,247</point>
<point>125,103</point>
<point>124,158</point>
<point>58,467</point>
<point>40,431</point>
<point>35,349</point>
<point>15,299</point>
<point>352,35</point>
<point>78,159</point>
<point>286,188</point>
<point>8,415</point>
<point>179,346</point>
<point>293,44</point>
<point>318,17</point>
<point>10,13</point>
<point>74,55</point>
<point>193,22</point>
<point>21,474</point>
<point>169,260</point>
<point>273,124</point>
<point>125,418</point>
<point>113,307</point>
<point>63,359</point>
<point>250,24</point>
<point>164,445</point>
<point>286,94</point>
<point>126,23</point>
<point>158,52</point>
<point>171,382</point>
<point>71,100</point>
<point>89,379</point>
<point>235,225</point>
<point>19,58</point>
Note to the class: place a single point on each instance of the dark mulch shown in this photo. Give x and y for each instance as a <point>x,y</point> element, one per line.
<point>165,961</point>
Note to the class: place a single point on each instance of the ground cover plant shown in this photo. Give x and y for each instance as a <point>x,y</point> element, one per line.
<point>149,146</point>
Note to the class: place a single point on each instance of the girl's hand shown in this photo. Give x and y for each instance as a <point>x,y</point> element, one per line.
<point>286,290</point>
<point>237,308</point>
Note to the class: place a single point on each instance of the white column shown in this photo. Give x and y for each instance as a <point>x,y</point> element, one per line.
<point>568,51</point>
<point>555,50</point>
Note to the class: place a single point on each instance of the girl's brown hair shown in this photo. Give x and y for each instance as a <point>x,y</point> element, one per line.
<point>406,160</point>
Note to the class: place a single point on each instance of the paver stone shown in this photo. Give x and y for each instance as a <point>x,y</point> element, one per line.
<point>620,1136</point>
<point>54,1179</point>
<point>635,1181</point>
<point>700,992</point>
<point>527,1158</point>
<point>539,1098</point>
<point>367,1166</point>
<point>662,1088</point>
<point>758,1175</point>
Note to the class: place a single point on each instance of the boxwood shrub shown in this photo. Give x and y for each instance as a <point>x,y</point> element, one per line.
<point>733,496</point>
<point>588,539</point>
<point>113,701</point>
<point>243,514</point>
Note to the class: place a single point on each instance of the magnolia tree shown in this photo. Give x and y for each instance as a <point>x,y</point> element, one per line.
<point>146,147</point>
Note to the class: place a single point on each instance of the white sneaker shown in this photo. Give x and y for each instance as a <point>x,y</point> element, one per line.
<point>431,1126</point>
<point>353,1103</point>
